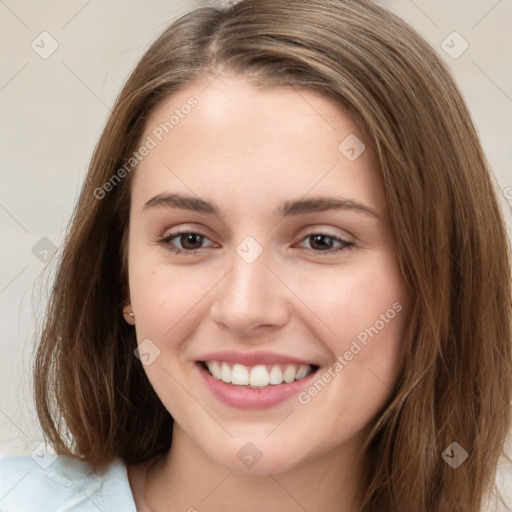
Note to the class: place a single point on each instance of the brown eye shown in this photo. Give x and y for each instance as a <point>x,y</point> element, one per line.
<point>191,240</point>
<point>322,242</point>
<point>187,241</point>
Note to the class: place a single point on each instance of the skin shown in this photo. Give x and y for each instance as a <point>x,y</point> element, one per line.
<point>248,150</point>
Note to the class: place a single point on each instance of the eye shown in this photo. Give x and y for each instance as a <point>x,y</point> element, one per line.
<point>323,242</point>
<point>191,242</point>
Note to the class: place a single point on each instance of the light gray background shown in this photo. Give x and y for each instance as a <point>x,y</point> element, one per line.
<point>53,110</point>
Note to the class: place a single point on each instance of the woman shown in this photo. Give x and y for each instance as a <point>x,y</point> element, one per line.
<point>286,283</point>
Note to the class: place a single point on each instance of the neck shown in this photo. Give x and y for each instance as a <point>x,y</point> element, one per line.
<point>186,479</point>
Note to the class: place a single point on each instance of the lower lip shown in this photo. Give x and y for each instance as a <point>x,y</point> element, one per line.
<point>247,398</point>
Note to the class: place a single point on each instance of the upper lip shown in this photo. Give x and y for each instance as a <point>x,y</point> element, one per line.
<point>252,358</point>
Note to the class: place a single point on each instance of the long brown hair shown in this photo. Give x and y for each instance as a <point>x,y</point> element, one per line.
<point>451,242</point>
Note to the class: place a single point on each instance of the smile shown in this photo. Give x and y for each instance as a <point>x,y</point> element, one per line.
<point>254,385</point>
<point>258,376</point>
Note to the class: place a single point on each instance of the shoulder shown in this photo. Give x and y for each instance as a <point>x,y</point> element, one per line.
<point>57,482</point>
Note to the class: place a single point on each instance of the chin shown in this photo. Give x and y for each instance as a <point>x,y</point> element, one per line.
<point>257,458</point>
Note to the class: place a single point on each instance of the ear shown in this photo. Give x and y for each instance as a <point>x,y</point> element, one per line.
<point>128,314</point>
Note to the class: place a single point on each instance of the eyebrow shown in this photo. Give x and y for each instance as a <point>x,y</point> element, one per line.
<point>294,207</point>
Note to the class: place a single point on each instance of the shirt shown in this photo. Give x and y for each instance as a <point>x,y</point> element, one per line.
<point>59,483</point>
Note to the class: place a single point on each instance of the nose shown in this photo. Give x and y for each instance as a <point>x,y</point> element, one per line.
<point>251,300</point>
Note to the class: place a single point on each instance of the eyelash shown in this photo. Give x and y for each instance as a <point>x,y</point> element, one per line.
<point>166,241</point>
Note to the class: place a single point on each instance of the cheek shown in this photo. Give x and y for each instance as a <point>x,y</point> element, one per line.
<point>353,299</point>
<point>168,307</point>
<point>365,309</point>
<point>161,293</point>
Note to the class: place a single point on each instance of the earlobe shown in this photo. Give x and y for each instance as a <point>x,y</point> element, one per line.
<point>128,314</point>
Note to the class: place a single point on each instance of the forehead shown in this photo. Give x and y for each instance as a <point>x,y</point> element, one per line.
<point>229,137</point>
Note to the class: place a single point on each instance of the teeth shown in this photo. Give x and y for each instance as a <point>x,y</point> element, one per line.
<point>276,375</point>
<point>259,375</point>
<point>289,374</point>
<point>302,372</point>
<point>240,375</point>
<point>225,374</point>
<point>215,369</point>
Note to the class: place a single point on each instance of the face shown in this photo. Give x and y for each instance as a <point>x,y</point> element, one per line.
<point>269,307</point>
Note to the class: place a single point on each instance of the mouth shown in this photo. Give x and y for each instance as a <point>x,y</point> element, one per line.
<point>254,380</point>
<point>259,376</point>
